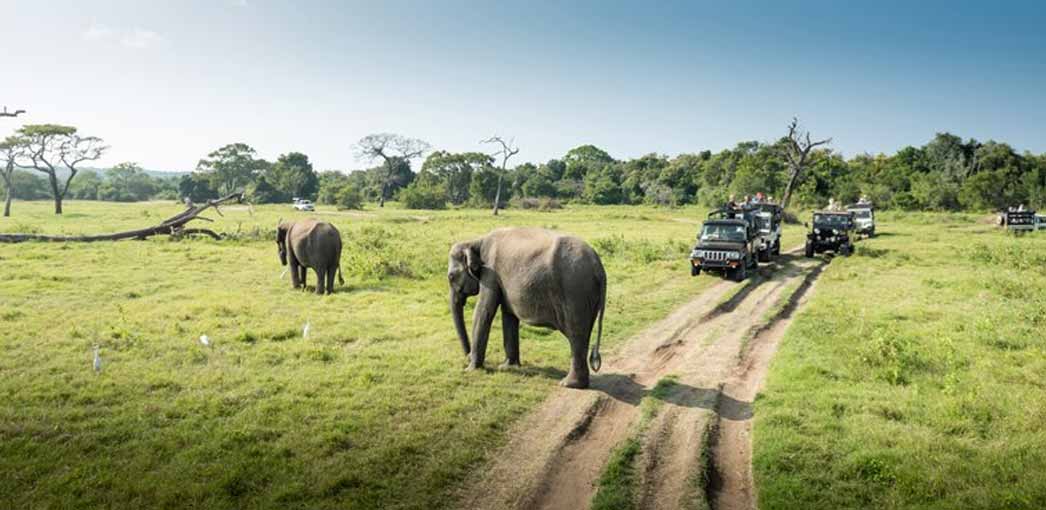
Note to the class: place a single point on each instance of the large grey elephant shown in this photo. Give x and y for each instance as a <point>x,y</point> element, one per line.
<point>308,243</point>
<point>541,277</point>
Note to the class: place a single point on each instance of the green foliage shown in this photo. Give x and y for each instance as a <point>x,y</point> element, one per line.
<point>292,176</point>
<point>484,187</point>
<point>348,197</point>
<point>231,168</point>
<point>426,192</point>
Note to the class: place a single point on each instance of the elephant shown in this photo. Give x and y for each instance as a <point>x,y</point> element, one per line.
<point>538,276</point>
<point>310,243</point>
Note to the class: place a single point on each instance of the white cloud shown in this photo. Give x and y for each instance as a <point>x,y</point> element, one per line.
<point>140,38</point>
<point>241,3</point>
<point>97,32</point>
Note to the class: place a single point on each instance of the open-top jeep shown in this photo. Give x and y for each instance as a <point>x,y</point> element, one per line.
<point>830,232</point>
<point>864,218</point>
<point>768,230</point>
<point>726,244</point>
<point>1018,221</point>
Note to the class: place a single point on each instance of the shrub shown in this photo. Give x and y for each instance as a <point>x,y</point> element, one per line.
<point>348,197</point>
<point>424,195</point>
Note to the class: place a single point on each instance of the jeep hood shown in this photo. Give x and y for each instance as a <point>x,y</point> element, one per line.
<point>721,245</point>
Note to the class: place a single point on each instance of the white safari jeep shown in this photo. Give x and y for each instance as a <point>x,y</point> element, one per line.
<point>864,218</point>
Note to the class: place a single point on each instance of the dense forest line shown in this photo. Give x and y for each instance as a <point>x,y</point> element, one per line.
<point>947,173</point>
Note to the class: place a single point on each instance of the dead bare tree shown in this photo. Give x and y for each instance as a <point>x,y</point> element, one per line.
<point>797,147</point>
<point>10,150</point>
<point>506,152</point>
<point>15,113</point>
<point>389,147</point>
<point>174,226</point>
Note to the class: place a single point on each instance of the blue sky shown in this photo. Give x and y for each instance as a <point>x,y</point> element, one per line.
<point>165,83</point>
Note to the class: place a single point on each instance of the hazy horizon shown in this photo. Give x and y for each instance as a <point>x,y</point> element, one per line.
<point>166,84</point>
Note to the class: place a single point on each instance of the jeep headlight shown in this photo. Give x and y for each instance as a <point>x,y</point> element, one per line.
<point>697,254</point>
<point>733,255</point>
<point>817,231</point>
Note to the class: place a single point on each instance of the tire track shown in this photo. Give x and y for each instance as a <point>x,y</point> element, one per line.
<point>555,455</point>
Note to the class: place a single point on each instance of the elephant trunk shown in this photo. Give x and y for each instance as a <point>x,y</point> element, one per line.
<point>457,309</point>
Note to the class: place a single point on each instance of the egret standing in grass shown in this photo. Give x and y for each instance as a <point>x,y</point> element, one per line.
<point>97,360</point>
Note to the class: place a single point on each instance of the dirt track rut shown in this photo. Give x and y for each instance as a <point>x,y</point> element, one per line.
<point>717,346</point>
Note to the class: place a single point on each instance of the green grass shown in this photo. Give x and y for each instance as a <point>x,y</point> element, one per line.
<point>372,410</point>
<point>915,377</point>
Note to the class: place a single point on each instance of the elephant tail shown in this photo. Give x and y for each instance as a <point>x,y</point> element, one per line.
<point>341,281</point>
<point>594,360</point>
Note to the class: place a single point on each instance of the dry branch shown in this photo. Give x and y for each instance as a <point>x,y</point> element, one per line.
<point>174,226</point>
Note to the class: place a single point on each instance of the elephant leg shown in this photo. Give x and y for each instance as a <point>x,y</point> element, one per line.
<point>304,272</point>
<point>510,331</point>
<point>296,280</point>
<point>481,322</point>
<point>321,280</point>
<point>330,280</point>
<point>578,376</point>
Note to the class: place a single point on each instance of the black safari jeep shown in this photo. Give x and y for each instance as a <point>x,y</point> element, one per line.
<point>726,244</point>
<point>830,232</point>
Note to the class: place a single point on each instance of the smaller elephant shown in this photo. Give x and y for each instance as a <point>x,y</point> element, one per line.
<point>312,244</point>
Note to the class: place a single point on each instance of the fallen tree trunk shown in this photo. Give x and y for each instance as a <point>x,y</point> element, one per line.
<point>174,226</point>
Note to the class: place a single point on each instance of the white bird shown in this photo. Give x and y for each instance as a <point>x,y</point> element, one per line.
<point>305,330</point>
<point>205,341</point>
<point>97,360</point>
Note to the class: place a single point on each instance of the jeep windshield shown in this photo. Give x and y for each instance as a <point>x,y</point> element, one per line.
<point>862,213</point>
<point>837,221</point>
<point>720,232</point>
<point>762,221</point>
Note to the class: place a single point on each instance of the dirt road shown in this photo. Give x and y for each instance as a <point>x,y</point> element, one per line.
<point>717,347</point>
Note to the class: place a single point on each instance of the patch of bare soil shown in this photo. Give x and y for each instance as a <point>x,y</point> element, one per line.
<point>555,455</point>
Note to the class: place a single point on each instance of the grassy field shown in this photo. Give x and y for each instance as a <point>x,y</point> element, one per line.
<point>372,409</point>
<point>915,377</point>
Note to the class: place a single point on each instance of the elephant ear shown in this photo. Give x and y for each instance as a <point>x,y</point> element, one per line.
<point>472,260</point>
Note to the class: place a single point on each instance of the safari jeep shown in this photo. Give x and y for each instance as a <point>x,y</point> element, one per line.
<point>864,218</point>
<point>830,232</point>
<point>726,244</point>
<point>768,230</point>
<point>1019,222</point>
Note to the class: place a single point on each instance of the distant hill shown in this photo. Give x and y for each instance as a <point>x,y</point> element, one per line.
<point>62,172</point>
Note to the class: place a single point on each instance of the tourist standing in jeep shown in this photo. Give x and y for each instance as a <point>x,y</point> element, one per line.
<point>726,244</point>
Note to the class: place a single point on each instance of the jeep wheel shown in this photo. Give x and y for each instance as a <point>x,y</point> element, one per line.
<point>739,274</point>
<point>809,249</point>
<point>846,249</point>
<point>871,233</point>
<point>764,255</point>
<point>694,270</point>
<point>777,248</point>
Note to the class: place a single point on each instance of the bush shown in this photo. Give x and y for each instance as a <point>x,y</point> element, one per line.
<point>348,197</point>
<point>422,195</point>
<point>541,204</point>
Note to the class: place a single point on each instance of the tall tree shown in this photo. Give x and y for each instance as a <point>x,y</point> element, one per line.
<point>797,147</point>
<point>231,168</point>
<point>507,151</point>
<point>49,147</point>
<point>455,170</point>
<point>389,147</point>
<point>292,176</point>
<point>10,150</point>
